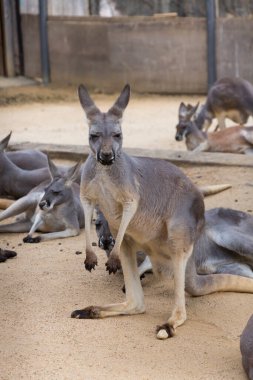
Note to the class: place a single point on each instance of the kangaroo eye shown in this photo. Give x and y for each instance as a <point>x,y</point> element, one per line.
<point>94,137</point>
<point>56,192</point>
<point>117,135</point>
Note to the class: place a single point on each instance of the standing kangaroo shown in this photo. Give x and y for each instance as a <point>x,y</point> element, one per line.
<point>53,207</point>
<point>150,205</point>
<point>228,98</point>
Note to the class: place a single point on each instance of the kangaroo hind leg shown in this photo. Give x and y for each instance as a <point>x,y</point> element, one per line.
<point>180,248</point>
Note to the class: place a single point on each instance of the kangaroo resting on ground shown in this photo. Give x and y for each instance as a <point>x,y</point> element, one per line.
<point>228,98</point>
<point>246,347</point>
<point>150,206</point>
<point>52,207</point>
<point>224,246</point>
<point>230,140</point>
<point>18,180</point>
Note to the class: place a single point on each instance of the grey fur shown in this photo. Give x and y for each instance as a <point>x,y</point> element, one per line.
<point>149,204</point>
<point>53,207</point>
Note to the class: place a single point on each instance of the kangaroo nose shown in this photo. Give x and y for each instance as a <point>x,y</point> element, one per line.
<point>106,243</point>
<point>43,204</point>
<point>106,158</point>
<point>178,137</point>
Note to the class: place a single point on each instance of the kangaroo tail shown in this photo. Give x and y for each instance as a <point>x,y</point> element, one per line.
<point>213,189</point>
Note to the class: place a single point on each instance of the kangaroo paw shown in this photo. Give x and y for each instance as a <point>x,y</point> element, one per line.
<point>90,312</point>
<point>113,264</point>
<point>91,261</point>
<point>6,254</point>
<point>29,239</point>
<point>164,331</point>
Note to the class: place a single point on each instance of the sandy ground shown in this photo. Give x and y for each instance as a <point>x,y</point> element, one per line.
<point>45,282</point>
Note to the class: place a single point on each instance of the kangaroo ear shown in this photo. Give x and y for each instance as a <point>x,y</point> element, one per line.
<point>73,173</point>
<point>87,103</point>
<point>119,106</point>
<point>182,109</point>
<point>54,171</point>
<point>193,110</point>
<point>4,143</point>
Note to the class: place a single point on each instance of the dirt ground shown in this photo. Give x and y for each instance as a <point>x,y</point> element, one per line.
<point>45,282</point>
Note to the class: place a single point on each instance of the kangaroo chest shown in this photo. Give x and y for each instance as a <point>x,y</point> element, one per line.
<point>110,194</point>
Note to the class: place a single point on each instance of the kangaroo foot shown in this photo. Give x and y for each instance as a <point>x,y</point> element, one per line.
<point>164,331</point>
<point>91,261</point>
<point>6,254</point>
<point>29,239</point>
<point>113,264</point>
<point>90,312</point>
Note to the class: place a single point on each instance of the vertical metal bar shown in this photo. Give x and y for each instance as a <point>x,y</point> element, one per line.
<point>211,42</point>
<point>44,42</point>
<point>8,38</point>
<point>19,38</point>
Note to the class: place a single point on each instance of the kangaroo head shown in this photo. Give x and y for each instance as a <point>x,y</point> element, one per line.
<point>105,135</point>
<point>59,190</point>
<point>105,238</point>
<point>185,125</point>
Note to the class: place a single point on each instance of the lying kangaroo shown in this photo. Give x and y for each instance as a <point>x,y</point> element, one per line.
<point>18,180</point>
<point>28,159</point>
<point>228,98</point>
<point>231,140</point>
<point>224,246</point>
<point>246,347</point>
<point>55,210</point>
<point>150,205</point>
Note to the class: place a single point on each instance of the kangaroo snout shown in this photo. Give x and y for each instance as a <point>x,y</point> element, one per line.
<point>179,137</point>
<point>44,204</point>
<point>106,243</point>
<point>106,158</point>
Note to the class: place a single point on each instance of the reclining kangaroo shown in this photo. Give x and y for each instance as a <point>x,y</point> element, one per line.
<point>230,140</point>
<point>228,98</point>
<point>236,139</point>
<point>17,176</point>
<point>224,246</point>
<point>150,205</point>
<point>55,210</point>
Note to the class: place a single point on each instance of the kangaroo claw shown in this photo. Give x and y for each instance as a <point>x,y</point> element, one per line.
<point>6,254</point>
<point>113,264</point>
<point>29,239</point>
<point>90,262</point>
<point>90,312</point>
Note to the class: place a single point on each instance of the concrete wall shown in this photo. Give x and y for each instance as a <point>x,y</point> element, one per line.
<point>154,54</point>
